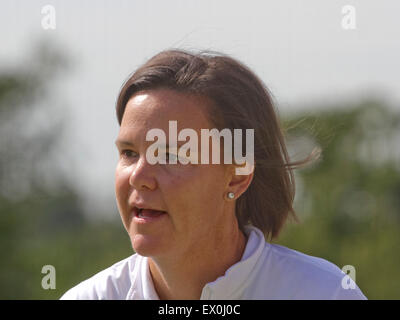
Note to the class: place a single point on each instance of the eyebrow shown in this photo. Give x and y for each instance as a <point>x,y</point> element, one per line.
<point>123,143</point>
<point>130,144</point>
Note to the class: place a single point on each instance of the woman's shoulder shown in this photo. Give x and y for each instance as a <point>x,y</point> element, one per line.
<point>113,283</point>
<point>297,275</point>
<point>303,261</point>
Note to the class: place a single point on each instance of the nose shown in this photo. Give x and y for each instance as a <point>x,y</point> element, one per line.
<point>142,176</point>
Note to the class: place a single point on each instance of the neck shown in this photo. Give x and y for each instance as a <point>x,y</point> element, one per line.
<point>184,277</point>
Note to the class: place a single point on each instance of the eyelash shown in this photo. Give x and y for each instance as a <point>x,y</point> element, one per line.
<point>123,153</point>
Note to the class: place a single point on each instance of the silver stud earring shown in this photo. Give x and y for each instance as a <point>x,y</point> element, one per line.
<point>231,195</point>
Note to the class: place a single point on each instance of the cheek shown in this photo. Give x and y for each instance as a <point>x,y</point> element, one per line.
<point>120,181</point>
<point>122,189</point>
<point>195,195</point>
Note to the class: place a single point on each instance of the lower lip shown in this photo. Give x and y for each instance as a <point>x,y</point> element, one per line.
<point>143,220</point>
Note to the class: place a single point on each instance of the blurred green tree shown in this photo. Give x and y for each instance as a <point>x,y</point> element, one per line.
<point>41,218</point>
<point>348,201</point>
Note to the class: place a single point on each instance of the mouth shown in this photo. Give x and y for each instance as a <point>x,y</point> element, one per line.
<point>147,214</point>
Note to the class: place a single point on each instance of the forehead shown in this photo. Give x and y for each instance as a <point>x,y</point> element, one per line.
<point>155,108</point>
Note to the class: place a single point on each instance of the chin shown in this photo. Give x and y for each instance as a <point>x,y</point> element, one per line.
<point>147,245</point>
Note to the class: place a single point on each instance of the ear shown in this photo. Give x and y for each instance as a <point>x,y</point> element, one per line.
<point>238,183</point>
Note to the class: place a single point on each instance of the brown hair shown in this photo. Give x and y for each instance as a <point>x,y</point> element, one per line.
<point>241,101</point>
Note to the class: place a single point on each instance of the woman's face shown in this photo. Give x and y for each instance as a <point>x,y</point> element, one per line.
<point>191,194</point>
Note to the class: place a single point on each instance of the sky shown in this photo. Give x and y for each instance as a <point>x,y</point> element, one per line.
<point>300,49</point>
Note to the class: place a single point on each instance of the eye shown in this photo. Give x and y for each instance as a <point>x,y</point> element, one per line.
<point>171,156</point>
<point>126,153</point>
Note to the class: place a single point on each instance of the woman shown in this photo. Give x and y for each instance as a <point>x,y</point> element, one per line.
<point>198,228</point>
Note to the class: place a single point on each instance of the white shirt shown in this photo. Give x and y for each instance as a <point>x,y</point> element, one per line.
<point>266,271</point>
